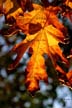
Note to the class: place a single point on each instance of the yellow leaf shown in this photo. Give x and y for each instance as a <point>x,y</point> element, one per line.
<point>15,14</point>
<point>7,5</point>
<point>44,32</point>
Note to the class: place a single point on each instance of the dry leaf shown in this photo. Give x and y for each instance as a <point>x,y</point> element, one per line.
<point>44,32</point>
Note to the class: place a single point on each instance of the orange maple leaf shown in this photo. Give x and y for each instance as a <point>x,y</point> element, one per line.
<point>44,32</point>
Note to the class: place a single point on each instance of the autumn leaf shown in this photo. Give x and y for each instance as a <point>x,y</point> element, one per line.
<point>16,7</point>
<point>68,3</point>
<point>8,4</point>
<point>44,32</point>
<point>15,14</point>
<point>11,8</point>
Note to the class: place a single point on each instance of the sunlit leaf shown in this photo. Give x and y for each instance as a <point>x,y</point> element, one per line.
<point>44,32</point>
<point>69,3</point>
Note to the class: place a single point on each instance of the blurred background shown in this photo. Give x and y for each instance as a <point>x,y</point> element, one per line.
<point>13,93</point>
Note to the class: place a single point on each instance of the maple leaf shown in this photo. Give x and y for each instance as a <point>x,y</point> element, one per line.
<point>44,32</point>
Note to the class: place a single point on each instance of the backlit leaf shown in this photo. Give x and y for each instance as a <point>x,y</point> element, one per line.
<point>44,32</point>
